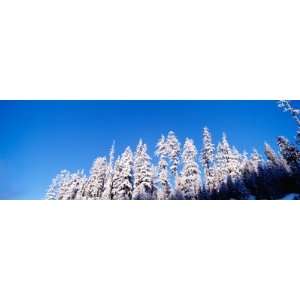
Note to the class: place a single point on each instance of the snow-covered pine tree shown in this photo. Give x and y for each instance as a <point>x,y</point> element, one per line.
<point>79,188</point>
<point>278,173</point>
<point>286,106</point>
<point>73,188</point>
<point>264,182</point>
<point>162,147</point>
<point>270,154</point>
<point>276,161</point>
<point>236,163</point>
<point>223,161</point>
<point>229,166</point>
<point>58,181</point>
<point>236,187</point>
<point>243,159</point>
<point>290,153</point>
<point>155,183</point>
<point>94,186</point>
<point>251,175</point>
<point>64,193</point>
<point>256,159</point>
<point>116,179</point>
<point>164,189</point>
<point>173,151</point>
<point>53,189</point>
<point>123,177</point>
<point>191,184</point>
<point>207,160</point>
<point>107,192</point>
<point>177,192</point>
<point>143,177</point>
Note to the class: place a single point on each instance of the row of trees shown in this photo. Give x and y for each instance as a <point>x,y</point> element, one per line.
<point>220,172</point>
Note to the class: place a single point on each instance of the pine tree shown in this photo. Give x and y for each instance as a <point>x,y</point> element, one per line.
<point>277,172</point>
<point>173,151</point>
<point>229,177</point>
<point>253,173</point>
<point>177,193</point>
<point>237,161</point>
<point>79,186</point>
<point>256,159</point>
<point>223,160</point>
<point>143,176</point>
<point>123,176</point>
<point>164,189</point>
<point>207,160</point>
<point>156,192</point>
<point>190,173</point>
<point>290,153</point>
<point>107,192</point>
<point>58,181</point>
<point>53,190</point>
<point>286,106</point>
<point>270,154</point>
<point>95,184</point>
<point>264,182</point>
<point>162,149</point>
<point>65,185</point>
<point>249,176</point>
<point>73,188</point>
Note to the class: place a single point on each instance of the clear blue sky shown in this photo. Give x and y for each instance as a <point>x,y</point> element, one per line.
<point>39,138</point>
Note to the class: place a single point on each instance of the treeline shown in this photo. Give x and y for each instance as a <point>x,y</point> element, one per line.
<point>220,172</point>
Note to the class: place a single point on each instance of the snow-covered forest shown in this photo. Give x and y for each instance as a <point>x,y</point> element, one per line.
<point>216,171</point>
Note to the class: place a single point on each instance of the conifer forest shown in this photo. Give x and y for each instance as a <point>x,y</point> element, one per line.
<point>217,171</point>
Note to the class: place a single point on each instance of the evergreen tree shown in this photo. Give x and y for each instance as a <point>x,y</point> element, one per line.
<point>270,154</point>
<point>165,190</point>
<point>249,176</point>
<point>107,192</point>
<point>123,176</point>
<point>286,106</point>
<point>72,189</point>
<point>156,190</point>
<point>290,153</point>
<point>244,159</point>
<point>256,159</point>
<point>265,190</point>
<point>190,172</point>
<point>143,176</point>
<point>237,160</point>
<point>224,159</point>
<point>163,175</point>
<point>79,185</point>
<point>65,186</point>
<point>291,156</point>
<point>207,160</point>
<point>162,149</point>
<point>177,193</point>
<point>54,190</point>
<point>229,177</point>
<point>173,151</point>
<point>95,184</point>
<point>235,189</point>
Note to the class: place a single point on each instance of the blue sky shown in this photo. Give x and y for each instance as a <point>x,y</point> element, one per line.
<point>39,138</point>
